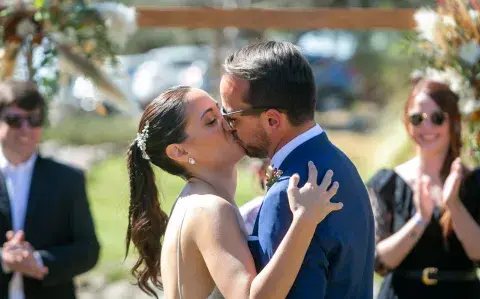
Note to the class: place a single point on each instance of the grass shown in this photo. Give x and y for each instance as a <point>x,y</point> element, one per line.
<point>368,151</point>
<point>109,198</point>
<point>108,181</point>
<point>108,194</point>
<point>89,129</point>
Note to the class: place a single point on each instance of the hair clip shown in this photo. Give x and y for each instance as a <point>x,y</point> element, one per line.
<point>141,141</point>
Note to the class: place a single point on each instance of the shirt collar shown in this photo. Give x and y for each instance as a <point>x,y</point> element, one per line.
<point>283,152</point>
<point>27,165</point>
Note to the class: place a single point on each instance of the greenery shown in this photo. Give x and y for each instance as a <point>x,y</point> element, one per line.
<point>108,180</point>
<point>91,129</point>
<point>448,45</point>
<point>72,31</point>
<point>109,198</point>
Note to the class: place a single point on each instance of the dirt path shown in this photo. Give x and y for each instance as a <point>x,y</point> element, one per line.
<point>83,156</point>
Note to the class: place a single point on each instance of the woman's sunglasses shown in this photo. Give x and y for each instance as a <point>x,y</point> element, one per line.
<point>437,118</point>
<point>15,120</point>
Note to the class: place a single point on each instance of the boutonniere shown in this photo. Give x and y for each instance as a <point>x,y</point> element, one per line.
<point>272,175</point>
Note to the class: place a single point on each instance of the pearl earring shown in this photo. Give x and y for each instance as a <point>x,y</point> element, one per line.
<point>191,161</point>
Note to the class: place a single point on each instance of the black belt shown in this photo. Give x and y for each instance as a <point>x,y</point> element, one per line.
<point>431,275</point>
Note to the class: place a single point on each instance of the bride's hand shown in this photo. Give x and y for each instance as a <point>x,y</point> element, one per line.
<point>312,201</point>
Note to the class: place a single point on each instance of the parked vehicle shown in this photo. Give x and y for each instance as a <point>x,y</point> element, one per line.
<point>329,53</point>
<point>170,66</point>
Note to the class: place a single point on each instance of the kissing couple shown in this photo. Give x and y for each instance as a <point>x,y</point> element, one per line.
<point>314,233</point>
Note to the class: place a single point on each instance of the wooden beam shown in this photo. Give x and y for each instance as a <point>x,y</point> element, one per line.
<point>289,19</point>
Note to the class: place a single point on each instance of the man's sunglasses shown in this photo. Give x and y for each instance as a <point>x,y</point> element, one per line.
<point>16,121</point>
<point>248,111</point>
<point>437,118</point>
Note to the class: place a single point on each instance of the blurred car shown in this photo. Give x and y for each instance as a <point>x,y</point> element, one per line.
<point>329,53</point>
<point>131,62</point>
<point>171,66</point>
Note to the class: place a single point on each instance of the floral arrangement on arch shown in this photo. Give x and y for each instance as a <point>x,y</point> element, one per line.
<point>73,37</point>
<point>448,43</point>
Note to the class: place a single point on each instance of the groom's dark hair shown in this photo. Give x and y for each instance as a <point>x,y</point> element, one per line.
<point>279,77</point>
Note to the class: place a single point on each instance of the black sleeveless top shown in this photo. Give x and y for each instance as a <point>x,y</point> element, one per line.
<point>393,206</point>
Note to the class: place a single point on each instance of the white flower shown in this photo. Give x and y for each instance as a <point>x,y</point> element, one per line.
<point>457,83</point>
<point>427,21</point>
<point>469,52</point>
<point>438,76</point>
<point>455,80</point>
<point>449,21</point>
<point>471,105</point>
<point>473,15</point>
<point>416,74</point>
<point>120,20</point>
<point>25,27</point>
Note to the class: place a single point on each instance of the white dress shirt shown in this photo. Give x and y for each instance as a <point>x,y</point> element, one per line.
<point>18,179</point>
<point>281,154</point>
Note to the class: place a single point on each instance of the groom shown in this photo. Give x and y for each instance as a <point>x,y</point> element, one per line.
<point>268,100</point>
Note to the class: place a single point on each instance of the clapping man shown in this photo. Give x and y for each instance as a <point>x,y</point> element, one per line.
<point>46,226</point>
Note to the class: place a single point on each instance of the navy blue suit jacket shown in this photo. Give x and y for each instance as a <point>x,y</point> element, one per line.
<point>339,261</point>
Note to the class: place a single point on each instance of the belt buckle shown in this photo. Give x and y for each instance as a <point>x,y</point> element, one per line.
<point>426,279</point>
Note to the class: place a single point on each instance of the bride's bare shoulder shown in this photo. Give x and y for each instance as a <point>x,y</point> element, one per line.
<point>212,217</point>
<point>210,207</point>
<point>209,202</point>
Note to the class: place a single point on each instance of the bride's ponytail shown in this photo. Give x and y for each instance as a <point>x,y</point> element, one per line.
<point>162,124</point>
<point>146,221</point>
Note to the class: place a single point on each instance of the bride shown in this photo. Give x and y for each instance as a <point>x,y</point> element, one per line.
<point>205,244</point>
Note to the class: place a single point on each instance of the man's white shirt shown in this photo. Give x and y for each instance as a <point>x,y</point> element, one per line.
<point>18,179</point>
<point>282,153</point>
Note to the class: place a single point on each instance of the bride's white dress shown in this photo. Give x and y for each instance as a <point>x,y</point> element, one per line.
<point>216,292</point>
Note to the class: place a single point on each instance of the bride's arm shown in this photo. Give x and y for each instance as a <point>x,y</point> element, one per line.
<point>228,258</point>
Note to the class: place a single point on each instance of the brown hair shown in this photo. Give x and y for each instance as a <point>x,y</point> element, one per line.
<point>166,117</point>
<point>278,76</point>
<point>447,100</point>
<point>23,94</point>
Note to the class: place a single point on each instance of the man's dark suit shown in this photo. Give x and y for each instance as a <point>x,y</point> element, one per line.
<point>339,261</point>
<point>59,225</point>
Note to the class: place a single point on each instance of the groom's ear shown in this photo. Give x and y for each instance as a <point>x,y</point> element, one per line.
<point>272,119</point>
<point>176,153</point>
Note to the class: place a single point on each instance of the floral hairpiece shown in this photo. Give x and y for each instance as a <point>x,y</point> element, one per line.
<point>141,141</point>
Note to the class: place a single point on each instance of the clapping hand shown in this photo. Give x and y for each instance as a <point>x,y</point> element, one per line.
<point>424,203</point>
<point>18,256</point>
<point>452,183</point>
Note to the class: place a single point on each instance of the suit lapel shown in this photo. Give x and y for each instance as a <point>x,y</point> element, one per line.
<point>290,163</point>
<point>37,186</point>
<point>5,208</point>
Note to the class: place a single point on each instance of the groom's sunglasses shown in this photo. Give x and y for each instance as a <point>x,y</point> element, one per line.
<point>437,118</point>
<point>248,111</point>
